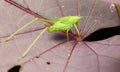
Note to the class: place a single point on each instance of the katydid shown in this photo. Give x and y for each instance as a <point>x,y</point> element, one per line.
<point>60,24</point>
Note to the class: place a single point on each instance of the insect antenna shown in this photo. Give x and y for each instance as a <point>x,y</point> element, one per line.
<point>78,13</point>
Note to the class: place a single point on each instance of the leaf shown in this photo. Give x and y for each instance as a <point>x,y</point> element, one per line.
<point>113,1</point>
<point>117,4</point>
<point>103,33</point>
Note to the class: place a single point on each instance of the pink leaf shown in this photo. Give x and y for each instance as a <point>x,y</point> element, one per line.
<point>113,1</point>
<point>51,53</point>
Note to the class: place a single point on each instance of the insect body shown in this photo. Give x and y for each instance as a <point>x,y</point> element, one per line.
<point>64,23</point>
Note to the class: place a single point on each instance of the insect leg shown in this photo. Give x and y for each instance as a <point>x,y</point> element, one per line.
<point>67,33</point>
<point>31,45</point>
<point>23,27</point>
<point>78,32</point>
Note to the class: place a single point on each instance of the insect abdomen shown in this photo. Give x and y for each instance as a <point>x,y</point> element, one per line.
<point>59,26</point>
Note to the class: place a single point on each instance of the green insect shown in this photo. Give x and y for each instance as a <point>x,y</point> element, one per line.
<point>64,23</point>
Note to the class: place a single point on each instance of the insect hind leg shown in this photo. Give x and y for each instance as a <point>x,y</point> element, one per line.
<point>22,28</point>
<point>31,45</point>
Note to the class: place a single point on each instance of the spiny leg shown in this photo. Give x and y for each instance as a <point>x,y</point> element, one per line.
<point>31,45</point>
<point>23,27</point>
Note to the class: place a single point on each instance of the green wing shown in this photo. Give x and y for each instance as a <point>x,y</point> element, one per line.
<point>58,26</point>
<point>63,23</point>
<point>69,20</point>
<point>51,21</point>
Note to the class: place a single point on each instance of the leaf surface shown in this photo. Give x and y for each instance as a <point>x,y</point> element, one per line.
<point>101,56</point>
